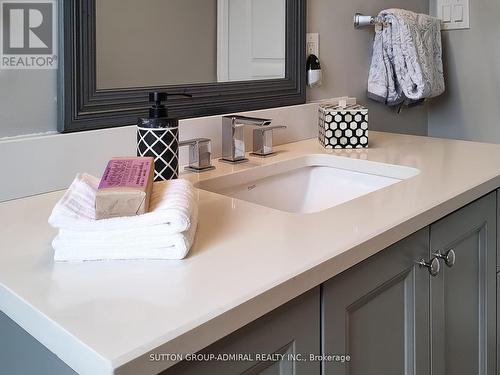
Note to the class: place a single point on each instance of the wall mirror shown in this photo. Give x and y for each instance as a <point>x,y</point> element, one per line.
<point>230,55</point>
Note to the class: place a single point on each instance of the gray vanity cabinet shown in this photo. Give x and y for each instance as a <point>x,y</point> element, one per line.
<point>393,317</point>
<point>463,304</point>
<point>291,330</point>
<point>378,313</point>
<point>498,323</point>
<point>22,354</point>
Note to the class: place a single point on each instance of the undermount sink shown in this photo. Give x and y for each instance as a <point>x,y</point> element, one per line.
<point>309,183</point>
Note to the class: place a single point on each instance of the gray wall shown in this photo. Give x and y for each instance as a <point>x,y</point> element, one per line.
<point>27,99</point>
<point>470,108</point>
<point>181,43</point>
<point>345,55</point>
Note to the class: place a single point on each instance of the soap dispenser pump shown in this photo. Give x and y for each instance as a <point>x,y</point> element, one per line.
<point>158,137</point>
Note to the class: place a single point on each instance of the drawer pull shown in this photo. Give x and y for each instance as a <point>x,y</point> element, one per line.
<point>434,266</point>
<point>449,257</point>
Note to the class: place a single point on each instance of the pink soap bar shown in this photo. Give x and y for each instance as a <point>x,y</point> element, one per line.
<point>124,172</point>
<point>125,187</point>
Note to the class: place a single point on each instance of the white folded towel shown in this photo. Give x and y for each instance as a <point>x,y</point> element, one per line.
<point>172,203</point>
<point>125,245</point>
<point>407,62</point>
<point>166,232</point>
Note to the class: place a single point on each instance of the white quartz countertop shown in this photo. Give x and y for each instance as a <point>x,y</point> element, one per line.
<point>108,317</point>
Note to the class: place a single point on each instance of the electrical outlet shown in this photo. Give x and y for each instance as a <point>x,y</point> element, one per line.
<point>312,44</point>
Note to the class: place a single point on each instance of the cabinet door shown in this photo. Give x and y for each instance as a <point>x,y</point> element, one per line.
<point>463,297</point>
<point>378,313</point>
<point>289,331</point>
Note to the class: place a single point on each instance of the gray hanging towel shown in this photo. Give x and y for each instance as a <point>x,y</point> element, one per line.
<point>407,64</point>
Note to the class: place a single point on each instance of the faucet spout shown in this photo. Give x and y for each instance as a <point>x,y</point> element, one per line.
<point>245,120</point>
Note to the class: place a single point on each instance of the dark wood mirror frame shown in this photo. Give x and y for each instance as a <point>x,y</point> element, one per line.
<point>82,106</point>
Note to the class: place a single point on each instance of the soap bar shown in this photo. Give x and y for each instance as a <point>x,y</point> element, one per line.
<point>125,187</point>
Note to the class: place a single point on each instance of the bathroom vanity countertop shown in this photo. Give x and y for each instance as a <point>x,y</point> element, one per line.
<point>108,317</point>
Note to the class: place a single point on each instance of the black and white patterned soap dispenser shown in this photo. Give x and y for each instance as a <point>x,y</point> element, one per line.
<point>158,136</point>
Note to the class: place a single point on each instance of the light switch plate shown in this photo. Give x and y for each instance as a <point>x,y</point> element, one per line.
<point>453,13</point>
<point>312,44</point>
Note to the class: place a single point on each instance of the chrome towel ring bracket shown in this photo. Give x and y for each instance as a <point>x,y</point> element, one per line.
<point>361,20</point>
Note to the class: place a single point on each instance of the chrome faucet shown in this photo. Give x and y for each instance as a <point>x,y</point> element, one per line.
<point>233,140</point>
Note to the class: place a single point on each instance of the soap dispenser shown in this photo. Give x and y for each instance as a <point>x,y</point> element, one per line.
<point>158,137</point>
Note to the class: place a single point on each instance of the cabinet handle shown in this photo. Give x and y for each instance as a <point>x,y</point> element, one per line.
<point>449,257</point>
<point>434,266</point>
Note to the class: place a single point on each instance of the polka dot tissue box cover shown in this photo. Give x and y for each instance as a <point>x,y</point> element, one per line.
<point>343,126</point>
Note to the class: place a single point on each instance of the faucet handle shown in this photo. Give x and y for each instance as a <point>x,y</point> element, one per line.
<point>200,153</point>
<point>263,140</point>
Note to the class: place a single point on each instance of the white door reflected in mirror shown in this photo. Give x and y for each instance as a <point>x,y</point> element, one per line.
<point>250,39</point>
